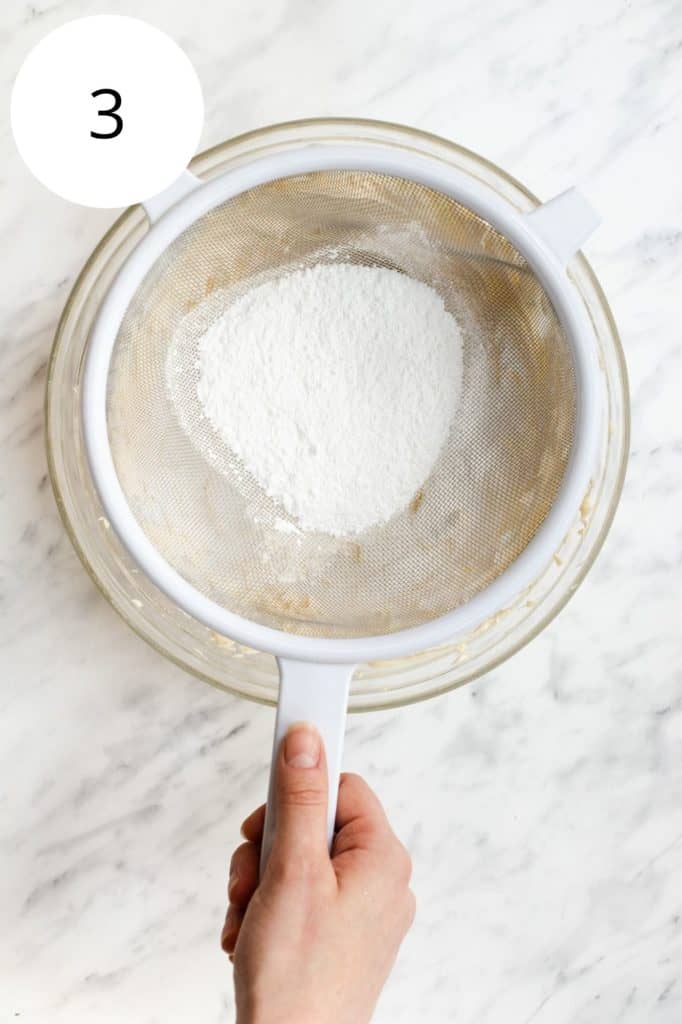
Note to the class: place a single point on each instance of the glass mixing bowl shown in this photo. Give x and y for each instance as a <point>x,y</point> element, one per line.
<point>217,659</point>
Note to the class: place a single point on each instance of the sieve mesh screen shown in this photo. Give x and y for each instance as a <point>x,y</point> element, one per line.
<point>492,486</point>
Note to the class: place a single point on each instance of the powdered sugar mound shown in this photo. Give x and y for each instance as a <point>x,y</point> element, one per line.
<point>336,387</point>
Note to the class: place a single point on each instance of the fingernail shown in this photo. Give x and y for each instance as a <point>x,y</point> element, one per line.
<point>302,746</point>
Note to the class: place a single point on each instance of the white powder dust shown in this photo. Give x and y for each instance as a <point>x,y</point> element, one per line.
<point>336,386</point>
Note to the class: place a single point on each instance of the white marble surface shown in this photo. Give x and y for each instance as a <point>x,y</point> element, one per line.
<point>543,805</point>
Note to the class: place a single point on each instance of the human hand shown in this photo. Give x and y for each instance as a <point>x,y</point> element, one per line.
<point>314,941</point>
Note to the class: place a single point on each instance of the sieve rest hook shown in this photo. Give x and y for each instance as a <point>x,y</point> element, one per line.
<point>157,205</point>
<point>564,223</point>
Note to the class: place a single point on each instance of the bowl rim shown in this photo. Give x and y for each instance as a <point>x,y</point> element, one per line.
<point>492,660</point>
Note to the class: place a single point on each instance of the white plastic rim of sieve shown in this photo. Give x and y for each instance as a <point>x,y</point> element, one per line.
<point>547,238</point>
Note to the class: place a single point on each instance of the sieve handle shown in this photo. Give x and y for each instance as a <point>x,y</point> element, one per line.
<point>564,223</point>
<point>317,694</point>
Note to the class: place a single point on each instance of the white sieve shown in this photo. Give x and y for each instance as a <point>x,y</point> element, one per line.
<point>506,487</point>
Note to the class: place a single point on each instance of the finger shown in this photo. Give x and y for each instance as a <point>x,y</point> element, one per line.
<point>364,827</point>
<point>230,932</point>
<point>300,805</point>
<point>243,880</point>
<point>252,827</point>
<point>357,801</point>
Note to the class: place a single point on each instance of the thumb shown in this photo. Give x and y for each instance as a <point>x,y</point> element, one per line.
<point>300,798</point>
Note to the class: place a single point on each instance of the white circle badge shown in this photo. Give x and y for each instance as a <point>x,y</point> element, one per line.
<point>107,111</point>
